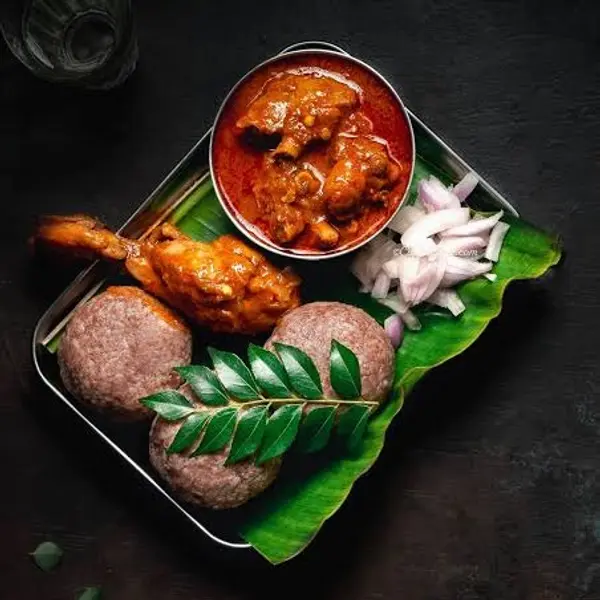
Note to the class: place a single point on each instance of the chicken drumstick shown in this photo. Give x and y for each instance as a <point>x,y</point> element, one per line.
<point>223,285</point>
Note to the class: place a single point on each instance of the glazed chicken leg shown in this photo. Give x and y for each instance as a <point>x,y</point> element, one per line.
<point>223,285</point>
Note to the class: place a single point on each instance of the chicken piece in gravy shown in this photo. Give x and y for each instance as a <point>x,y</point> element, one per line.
<point>301,109</point>
<point>287,195</point>
<point>362,170</point>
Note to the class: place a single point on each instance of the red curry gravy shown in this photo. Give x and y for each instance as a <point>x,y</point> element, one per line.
<point>239,165</point>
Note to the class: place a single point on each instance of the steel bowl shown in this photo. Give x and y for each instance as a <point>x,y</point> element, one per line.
<point>253,233</point>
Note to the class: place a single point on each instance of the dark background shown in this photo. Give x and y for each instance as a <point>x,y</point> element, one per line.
<point>489,486</point>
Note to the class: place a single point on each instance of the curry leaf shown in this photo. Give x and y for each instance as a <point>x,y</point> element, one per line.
<point>344,371</point>
<point>188,433</point>
<point>205,384</point>
<point>90,593</point>
<point>269,372</point>
<point>47,556</point>
<point>249,429</point>
<point>218,431</point>
<point>248,434</point>
<point>315,429</point>
<point>234,375</point>
<point>301,370</point>
<point>352,425</point>
<point>169,404</point>
<point>280,432</point>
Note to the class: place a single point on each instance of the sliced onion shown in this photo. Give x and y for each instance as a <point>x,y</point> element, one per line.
<point>412,287</point>
<point>408,266</point>
<point>405,217</point>
<point>394,327</point>
<point>496,238</point>
<point>408,271</point>
<point>435,196</point>
<point>490,276</point>
<point>475,226</point>
<point>466,247</point>
<point>396,302</point>
<point>440,247</point>
<point>391,267</point>
<point>377,241</point>
<point>465,186</point>
<point>431,272</point>
<point>410,320</point>
<point>433,223</point>
<point>381,287</point>
<point>401,301</point>
<point>436,280</point>
<point>448,299</point>
<point>359,269</point>
<point>379,257</point>
<point>423,247</point>
<point>460,269</point>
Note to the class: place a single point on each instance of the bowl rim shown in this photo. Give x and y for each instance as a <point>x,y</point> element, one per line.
<point>235,217</point>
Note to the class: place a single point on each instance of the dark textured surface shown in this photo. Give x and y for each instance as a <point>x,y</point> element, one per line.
<point>489,486</point>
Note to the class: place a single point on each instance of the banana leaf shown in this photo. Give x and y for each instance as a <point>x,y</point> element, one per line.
<point>287,517</point>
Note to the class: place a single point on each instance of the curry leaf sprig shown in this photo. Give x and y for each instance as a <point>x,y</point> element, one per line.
<point>259,410</point>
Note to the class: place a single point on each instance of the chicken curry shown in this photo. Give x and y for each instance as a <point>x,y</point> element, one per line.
<point>315,152</point>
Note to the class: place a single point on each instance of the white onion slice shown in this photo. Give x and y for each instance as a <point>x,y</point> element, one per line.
<point>475,226</point>
<point>379,257</point>
<point>408,271</point>
<point>391,267</point>
<point>359,269</point>
<point>410,320</point>
<point>496,238</point>
<point>465,186</point>
<point>394,327</point>
<point>401,301</point>
<point>448,299</point>
<point>466,247</point>
<point>460,269</point>
<point>396,302</point>
<point>405,217</point>
<point>381,287</point>
<point>415,287</point>
<point>433,223</point>
<point>436,280</point>
<point>490,276</point>
<point>430,275</point>
<point>408,266</point>
<point>435,196</point>
<point>423,247</point>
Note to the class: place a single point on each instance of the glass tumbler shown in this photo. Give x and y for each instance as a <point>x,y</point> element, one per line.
<point>91,43</point>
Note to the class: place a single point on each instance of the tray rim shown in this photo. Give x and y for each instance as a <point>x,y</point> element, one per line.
<point>38,337</point>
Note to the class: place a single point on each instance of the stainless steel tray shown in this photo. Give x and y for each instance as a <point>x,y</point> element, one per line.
<point>190,173</point>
